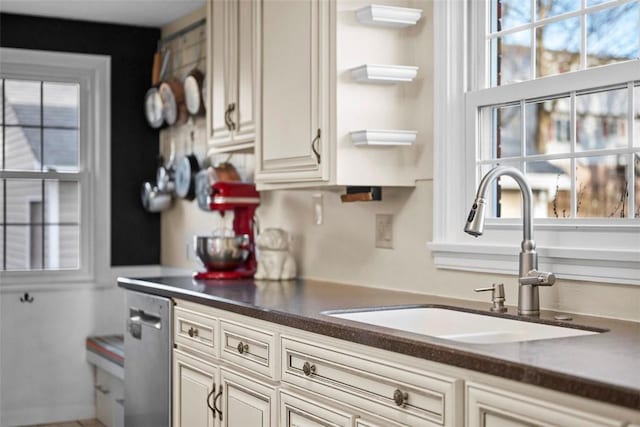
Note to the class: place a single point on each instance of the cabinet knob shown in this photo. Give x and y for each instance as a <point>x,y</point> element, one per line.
<point>243,348</point>
<point>400,397</point>
<point>193,332</point>
<point>308,369</point>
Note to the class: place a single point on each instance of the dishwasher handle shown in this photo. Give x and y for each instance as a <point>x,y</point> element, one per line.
<point>138,318</point>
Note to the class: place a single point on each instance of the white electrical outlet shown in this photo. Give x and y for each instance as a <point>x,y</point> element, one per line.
<point>384,231</point>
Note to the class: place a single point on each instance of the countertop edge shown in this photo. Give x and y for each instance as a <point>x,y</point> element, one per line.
<point>566,383</point>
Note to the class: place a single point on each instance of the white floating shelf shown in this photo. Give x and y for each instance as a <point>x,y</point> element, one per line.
<point>373,73</point>
<point>383,137</point>
<point>388,16</point>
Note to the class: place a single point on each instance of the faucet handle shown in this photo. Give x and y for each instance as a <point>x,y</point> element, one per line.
<point>497,297</point>
<point>538,278</point>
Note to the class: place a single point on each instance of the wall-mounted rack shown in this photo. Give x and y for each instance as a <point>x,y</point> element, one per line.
<point>379,137</point>
<point>375,73</point>
<point>388,16</point>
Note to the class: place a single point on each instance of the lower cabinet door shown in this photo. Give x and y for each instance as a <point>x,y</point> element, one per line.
<point>194,391</point>
<point>298,411</point>
<point>246,402</point>
<point>490,407</point>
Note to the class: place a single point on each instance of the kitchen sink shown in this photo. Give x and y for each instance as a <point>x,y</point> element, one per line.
<point>454,324</point>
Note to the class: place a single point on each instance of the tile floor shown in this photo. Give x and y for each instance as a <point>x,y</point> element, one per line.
<point>79,423</point>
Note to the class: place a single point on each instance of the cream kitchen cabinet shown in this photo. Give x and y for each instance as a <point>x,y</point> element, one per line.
<point>294,91</point>
<point>206,395</point>
<point>194,391</point>
<point>232,71</point>
<point>254,373</point>
<point>310,103</point>
<point>303,411</point>
<point>491,407</point>
<point>221,371</point>
<point>246,401</point>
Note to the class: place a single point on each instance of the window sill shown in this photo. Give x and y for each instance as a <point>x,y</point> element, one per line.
<point>594,265</point>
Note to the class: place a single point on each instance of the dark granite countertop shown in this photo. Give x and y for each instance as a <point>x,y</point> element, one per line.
<point>604,367</point>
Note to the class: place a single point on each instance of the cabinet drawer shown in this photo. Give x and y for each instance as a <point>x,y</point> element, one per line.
<point>396,392</point>
<point>195,331</point>
<point>490,407</point>
<point>299,411</point>
<point>248,347</point>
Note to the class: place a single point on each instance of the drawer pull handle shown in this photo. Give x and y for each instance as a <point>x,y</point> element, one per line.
<point>215,406</point>
<point>243,347</point>
<point>193,332</point>
<point>212,407</point>
<point>308,369</point>
<point>400,397</point>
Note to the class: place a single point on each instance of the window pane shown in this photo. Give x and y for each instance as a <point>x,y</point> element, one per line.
<point>636,112</point>
<point>22,149</point>
<point>23,198</point>
<point>636,166</point>
<point>511,58</point>
<point>61,149</point>
<point>1,109</point>
<point>509,13</point>
<point>506,132</point>
<point>2,205</point>
<point>547,8</point>
<point>61,202</point>
<point>602,120</point>
<point>613,34</point>
<point>601,187</point>
<point>551,185</point>
<point>558,47</point>
<point>1,248</point>
<point>60,104</point>
<point>24,247</point>
<point>62,247</point>
<point>22,101</point>
<point>549,126</point>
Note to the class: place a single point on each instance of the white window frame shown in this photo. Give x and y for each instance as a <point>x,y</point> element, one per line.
<point>598,250</point>
<point>93,73</point>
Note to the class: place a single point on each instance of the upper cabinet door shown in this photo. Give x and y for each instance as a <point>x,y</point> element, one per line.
<point>295,135</point>
<point>232,74</point>
<point>243,71</point>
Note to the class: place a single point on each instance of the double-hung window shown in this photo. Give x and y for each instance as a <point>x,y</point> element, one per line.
<point>53,166</point>
<point>551,87</point>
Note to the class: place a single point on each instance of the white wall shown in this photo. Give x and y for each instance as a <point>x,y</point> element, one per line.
<point>44,375</point>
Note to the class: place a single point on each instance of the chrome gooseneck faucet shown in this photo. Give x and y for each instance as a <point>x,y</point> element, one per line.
<point>529,277</point>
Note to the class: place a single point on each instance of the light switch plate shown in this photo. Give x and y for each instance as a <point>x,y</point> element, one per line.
<point>384,231</point>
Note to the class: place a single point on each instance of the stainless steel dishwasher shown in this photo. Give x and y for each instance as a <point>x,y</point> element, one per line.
<point>147,360</point>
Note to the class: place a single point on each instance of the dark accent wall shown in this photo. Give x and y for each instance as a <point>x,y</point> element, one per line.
<point>135,234</point>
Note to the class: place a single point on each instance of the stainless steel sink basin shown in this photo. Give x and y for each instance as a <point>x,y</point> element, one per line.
<point>456,325</point>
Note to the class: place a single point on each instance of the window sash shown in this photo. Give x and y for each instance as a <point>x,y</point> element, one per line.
<point>459,58</point>
<point>92,72</point>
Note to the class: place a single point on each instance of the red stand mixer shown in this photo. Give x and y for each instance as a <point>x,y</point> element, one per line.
<point>228,257</point>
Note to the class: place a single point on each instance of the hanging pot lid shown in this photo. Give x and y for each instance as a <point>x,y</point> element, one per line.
<point>186,169</point>
<point>193,92</point>
<point>153,108</point>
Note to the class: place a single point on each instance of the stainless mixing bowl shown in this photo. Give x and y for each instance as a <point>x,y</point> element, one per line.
<point>222,253</point>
